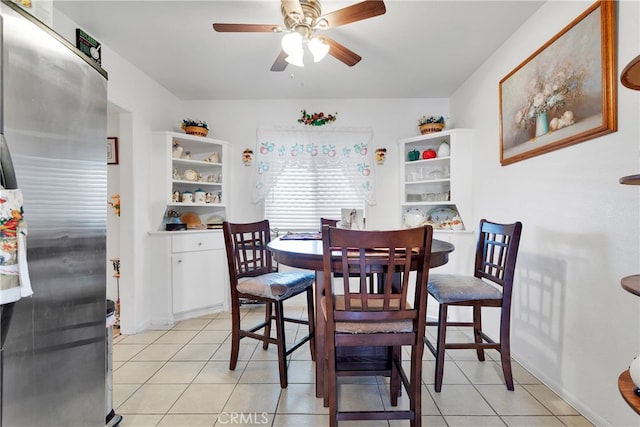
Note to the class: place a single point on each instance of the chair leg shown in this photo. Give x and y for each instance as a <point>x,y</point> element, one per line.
<point>281,343</point>
<point>311,317</point>
<point>505,353</point>
<point>440,346</point>
<point>477,327</point>
<point>415,384</point>
<point>268,313</point>
<point>235,338</point>
<point>395,384</point>
<point>331,381</point>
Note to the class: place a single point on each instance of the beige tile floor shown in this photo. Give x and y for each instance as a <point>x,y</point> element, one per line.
<point>180,378</point>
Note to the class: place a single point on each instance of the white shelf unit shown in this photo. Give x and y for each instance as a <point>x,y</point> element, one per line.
<point>212,177</point>
<point>189,272</point>
<point>428,185</point>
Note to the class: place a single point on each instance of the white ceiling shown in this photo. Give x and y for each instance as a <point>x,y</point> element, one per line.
<point>418,49</point>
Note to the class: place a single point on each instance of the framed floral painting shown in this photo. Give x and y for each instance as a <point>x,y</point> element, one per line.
<point>565,92</point>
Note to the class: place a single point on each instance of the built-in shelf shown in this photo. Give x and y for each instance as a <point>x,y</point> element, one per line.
<point>630,76</point>
<point>626,387</point>
<point>631,283</point>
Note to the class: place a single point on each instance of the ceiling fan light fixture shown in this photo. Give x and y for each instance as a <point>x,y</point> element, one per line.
<point>295,59</point>
<point>318,48</point>
<point>292,43</point>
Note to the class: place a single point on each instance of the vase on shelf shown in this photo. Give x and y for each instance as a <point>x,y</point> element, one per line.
<point>542,124</point>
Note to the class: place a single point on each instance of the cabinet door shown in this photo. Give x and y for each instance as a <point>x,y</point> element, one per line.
<point>198,280</point>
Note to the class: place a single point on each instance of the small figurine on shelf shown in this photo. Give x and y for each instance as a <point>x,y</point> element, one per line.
<point>177,150</point>
<point>176,174</point>
<point>213,158</point>
<point>187,155</point>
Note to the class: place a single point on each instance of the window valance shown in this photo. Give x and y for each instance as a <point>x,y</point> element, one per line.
<point>312,148</point>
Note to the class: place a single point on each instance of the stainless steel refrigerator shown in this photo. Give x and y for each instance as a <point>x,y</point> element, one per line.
<point>54,121</point>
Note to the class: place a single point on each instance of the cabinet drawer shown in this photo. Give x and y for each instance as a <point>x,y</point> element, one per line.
<point>197,242</point>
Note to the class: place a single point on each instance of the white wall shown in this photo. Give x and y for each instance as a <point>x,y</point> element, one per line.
<point>573,325</point>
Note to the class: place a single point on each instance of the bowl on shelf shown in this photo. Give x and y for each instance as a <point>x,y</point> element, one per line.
<point>413,218</point>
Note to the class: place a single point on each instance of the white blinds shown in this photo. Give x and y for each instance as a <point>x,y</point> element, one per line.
<point>300,197</point>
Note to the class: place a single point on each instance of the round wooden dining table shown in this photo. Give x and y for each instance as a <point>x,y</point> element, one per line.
<point>306,254</point>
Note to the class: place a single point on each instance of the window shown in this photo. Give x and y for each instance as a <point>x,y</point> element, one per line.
<point>300,197</point>
<point>303,175</point>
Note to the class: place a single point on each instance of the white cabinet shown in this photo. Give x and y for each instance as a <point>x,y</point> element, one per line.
<point>199,166</point>
<point>437,190</point>
<point>198,272</point>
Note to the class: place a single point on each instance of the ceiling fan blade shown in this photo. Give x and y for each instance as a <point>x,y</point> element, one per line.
<point>280,64</point>
<point>293,9</point>
<point>340,52</point>
<point>247,28</point>
<point>357,12</point>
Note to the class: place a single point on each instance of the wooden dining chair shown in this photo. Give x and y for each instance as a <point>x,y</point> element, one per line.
<point>388,320</point>
<point>489,286</point>
<point>252,277</point>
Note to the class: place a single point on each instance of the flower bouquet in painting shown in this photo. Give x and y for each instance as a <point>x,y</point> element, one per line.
<point>550,96</point>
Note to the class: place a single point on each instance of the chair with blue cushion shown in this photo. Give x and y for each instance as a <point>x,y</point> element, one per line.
<point>252,277</point>
<point>489,286</point>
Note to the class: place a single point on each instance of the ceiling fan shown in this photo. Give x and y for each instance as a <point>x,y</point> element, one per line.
<point>301,20</point>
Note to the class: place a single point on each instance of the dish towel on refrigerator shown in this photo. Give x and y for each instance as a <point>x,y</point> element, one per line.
<point>14,272</point>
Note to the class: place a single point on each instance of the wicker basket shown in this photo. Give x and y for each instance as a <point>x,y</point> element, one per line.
<point>196,130</point>
<point>431,127</point>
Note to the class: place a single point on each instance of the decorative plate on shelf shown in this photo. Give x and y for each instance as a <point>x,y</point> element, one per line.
<point>413,218</point>
<point>445,218</point>
<point>215,219</point>
<point>191,175</point>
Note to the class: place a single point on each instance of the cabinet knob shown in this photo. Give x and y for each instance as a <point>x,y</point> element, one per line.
<point>199,243</point>
<point>179,261</point>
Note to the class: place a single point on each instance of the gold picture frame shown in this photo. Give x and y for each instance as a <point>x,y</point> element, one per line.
<point>565,92</point>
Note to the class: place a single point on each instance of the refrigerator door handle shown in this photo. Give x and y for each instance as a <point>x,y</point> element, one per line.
<point>7,174</point>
